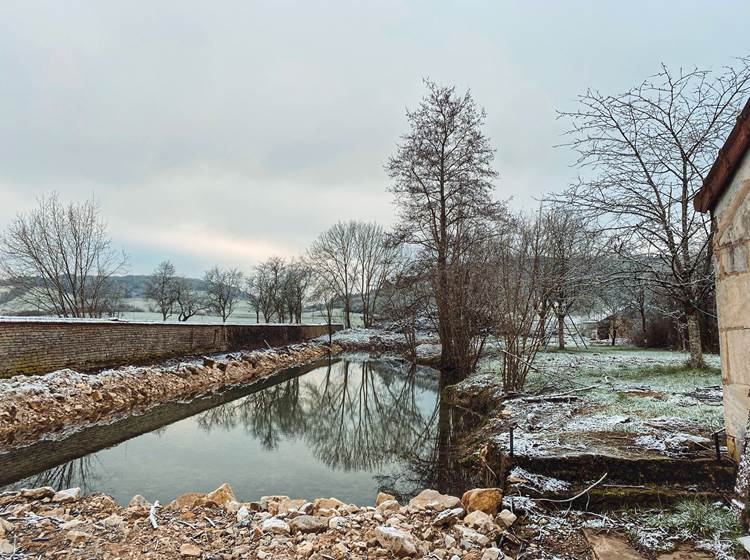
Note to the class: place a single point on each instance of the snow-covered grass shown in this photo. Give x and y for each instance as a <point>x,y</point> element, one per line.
<point>712,526</point>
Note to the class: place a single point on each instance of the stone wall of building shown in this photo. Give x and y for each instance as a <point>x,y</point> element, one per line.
<point>39,346</point>
<point>732,253</point>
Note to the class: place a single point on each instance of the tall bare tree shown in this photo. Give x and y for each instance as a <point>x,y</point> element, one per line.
<point>161,288</point>
<point>223,290</point>
<point>442,180</point>
<point>333,256</point>
<point>645,153</point>
<point>62,258</point>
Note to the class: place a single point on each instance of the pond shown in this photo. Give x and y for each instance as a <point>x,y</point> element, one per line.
<point>345,428</point>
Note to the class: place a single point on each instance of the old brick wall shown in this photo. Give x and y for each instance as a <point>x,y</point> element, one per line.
<point>37,346</point>
<point>732,259</point>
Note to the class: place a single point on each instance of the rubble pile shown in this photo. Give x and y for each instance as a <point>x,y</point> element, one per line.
<point>55,404</point>
<point>43,522</point>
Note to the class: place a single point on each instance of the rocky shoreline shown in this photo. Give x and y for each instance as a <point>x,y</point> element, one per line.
<point>56,404</point>
<point>62,524</point>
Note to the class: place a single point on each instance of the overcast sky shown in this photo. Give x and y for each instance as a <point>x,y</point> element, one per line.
<point>225,132</point>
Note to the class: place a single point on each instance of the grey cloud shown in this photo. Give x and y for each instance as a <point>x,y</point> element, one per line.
<point>247,127</point>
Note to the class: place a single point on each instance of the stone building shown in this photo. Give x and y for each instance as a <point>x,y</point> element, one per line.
<point>726,194</point>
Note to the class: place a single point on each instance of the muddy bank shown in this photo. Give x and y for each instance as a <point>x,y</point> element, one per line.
<point>60,403</point>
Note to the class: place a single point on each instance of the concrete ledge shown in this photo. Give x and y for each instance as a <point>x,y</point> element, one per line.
<point>43,345</point>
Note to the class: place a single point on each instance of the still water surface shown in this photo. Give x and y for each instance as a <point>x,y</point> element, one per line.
<point>345,428</point>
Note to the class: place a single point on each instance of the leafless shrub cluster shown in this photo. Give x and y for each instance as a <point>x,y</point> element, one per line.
<point>522,295</point>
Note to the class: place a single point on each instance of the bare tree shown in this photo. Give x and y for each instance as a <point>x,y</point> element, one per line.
<point>297,283</point>
<point>325,292</point>
<point>376,258</point>
<point>252,293</point>
<point>572,251</point>
<point>408,302</point>
<point>332,256</point>
<point>263,285</point>
<point>615,304</point>
<point>188,300</point>
<point>161,288</point>
<point>223,290</point>
<point>647,152</point>
<point>62,258</point>
<point>521,296</point>
<point>442,180</point>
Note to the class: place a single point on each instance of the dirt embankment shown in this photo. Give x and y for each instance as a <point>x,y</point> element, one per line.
<point>33,408</point>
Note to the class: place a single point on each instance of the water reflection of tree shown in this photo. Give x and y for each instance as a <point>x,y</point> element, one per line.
<point>268,415</point>
<point>360,415</point>
<point>79,472</point>
<point>364,416</point>
<point>435,462</point>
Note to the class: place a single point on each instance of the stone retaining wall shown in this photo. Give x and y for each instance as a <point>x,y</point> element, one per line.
<point>731,244</point>
<point>40,346</point>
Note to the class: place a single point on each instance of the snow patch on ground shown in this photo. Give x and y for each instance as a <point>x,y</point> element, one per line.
<point>540,482</point>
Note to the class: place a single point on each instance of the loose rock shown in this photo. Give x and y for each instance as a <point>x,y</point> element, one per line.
<point>67,496</point>
<point>398,542</point>
<point>434,500</point>
<point>309,524</point>
<point>487,500</point>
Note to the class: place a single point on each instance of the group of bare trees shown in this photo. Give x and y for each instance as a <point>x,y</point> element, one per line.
<point>278,289</point>
<point>354,259</point>
<point>623,238</point>
<point>172,295</point>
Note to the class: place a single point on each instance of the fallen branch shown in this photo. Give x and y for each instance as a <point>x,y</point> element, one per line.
<point>567,395</point>
<point>574,498</point>
<point>152,515</point>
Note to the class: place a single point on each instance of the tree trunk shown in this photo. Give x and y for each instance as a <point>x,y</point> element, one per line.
<point>694,340</point>
<point>347,317</point>
<point>561,331</point>
<point>642,311</point>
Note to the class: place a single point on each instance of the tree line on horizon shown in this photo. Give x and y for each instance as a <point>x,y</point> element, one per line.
<point>623,239</point>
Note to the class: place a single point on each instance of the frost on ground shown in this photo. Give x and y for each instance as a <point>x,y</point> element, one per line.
<point>646,400</point>
<point>619,407</point>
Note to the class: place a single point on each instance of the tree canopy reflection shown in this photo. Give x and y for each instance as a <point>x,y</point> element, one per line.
<point>361,415</point>
<point>357,415</point>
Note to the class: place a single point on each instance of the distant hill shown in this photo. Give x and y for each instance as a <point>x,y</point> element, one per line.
<point>134,285</point>
<point>133,288</point>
